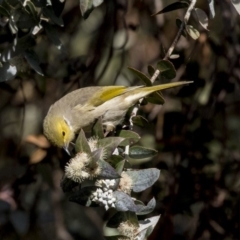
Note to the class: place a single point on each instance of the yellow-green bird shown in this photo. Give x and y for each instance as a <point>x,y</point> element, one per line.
<point>80,108</point>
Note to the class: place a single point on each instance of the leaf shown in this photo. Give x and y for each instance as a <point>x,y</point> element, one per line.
<point>52,34</point>
<point>18,47</point>
<point>97,3</point>
<point>67,184</point>
<point>155,98</point>
<point>124,202</point>
<point>130,137</point>
<point>167,69</point>
<point>146,227</point>
<point>20,221</point>
<point>83,195</point>
<point>110,144</point>
<point>33,61</point>
<point>139,121</point>
<point>117,237</point>
<point>86,7</point>
<point>202,18</point>
<point>236,4</point>
<point>4,11</point>
<point>143,210</point>
<point>49,13</point>
<point>211,8</point>
<point>141,76</point>
<point>32,11</point>
<point>120,217</point>
<point>174,56</point>
<point>151,70</point>
<point>97,130</point>
<point>193,33</point>
<point>179,23</point>
<point>172,7</point>
<point>116,162</point>
<point>107,171</point>
<point>143,179</point>
<point>139,152</point>
<point>81,144</point>
<point>7,72</point>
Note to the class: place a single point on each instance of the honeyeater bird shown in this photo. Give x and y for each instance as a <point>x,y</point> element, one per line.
<point>80,108</point>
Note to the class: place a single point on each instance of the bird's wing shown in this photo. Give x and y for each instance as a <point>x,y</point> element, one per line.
<point>102,95</point>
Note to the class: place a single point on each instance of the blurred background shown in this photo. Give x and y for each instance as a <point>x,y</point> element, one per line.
<point>196,132</point>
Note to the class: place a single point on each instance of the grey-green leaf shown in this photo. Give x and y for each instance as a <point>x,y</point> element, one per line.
<point>109,144</point>
<point>202,18</point>
<point>143,179</point>
<point>143,210</point>
<point>139,121</point>
<point>97,129</point>
<point>129,136</point>
<point>107,171</point>
<point>81,144</point>
<point>124,202</point>
<point>139,152</point>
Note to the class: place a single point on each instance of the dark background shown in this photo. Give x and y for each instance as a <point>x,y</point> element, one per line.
<point>197,131</point>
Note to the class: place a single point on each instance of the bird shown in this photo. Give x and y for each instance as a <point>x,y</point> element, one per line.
<point>80,108</point>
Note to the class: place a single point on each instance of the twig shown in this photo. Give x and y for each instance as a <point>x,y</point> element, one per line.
<point>182,27</point>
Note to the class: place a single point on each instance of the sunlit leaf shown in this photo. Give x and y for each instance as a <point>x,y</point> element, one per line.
<point>236,4</point>
<point>202,18</point>
<point>143,179</point>
<point>143,210</point>
<point>139,152</point>
<point>173,6</point>
<point>7,72</point>
<point>124,202</point>
<point>81,144</point>
<point>193,32</point>
<point>211,8</point>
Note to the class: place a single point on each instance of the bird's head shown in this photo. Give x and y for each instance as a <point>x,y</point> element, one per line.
<point>58,130</point>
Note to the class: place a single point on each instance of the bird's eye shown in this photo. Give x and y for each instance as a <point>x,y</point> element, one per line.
<point>63,133</point>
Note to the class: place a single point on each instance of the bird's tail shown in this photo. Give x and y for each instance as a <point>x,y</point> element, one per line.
<point>138,93</point>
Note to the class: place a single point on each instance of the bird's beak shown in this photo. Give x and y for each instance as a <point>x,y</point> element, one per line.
<point>65,147</point>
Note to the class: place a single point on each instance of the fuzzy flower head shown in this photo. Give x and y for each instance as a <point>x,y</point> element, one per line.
<point>125,184</point>
<point>93,143</point>
<point>79,168</point>
<point>128,229</point>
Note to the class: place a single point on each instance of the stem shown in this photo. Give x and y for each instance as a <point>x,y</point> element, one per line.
<point>182,27</point>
